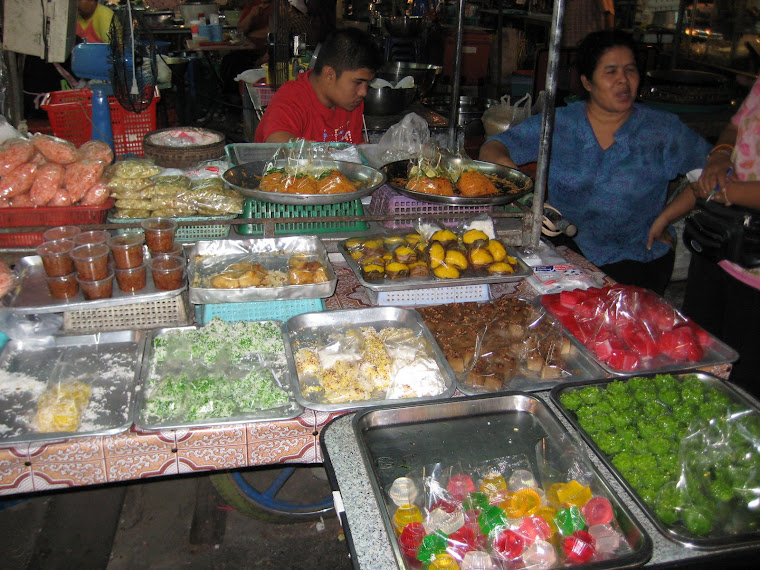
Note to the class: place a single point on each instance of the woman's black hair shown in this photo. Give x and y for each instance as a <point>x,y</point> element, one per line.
<point>348,49</point>
<point>594,45</point>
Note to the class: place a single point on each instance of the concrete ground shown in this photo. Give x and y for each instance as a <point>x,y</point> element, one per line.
<point>163,523</point>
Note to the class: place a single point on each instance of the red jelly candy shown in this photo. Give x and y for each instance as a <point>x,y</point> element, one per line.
<point>411,538</point>
<point>460,486</point>
<point>597,510</point>
<point>508,544</point>
<point>534,527</point>
<point>579,547</point>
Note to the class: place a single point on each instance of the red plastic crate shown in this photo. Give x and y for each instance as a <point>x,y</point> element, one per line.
<point>47,216</point>
<point>387,201</point>
<point>70,114</point>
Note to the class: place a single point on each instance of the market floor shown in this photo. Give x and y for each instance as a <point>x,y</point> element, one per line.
<point>178,522</point>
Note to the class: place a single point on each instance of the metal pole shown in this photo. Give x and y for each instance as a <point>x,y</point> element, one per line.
<point>500,43</point>
<point>455,86</point>
<point>547,124</point>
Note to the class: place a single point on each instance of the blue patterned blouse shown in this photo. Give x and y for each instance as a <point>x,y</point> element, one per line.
<point>612,195</point>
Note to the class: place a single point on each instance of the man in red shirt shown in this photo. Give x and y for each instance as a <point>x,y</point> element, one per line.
<point>325,104</point>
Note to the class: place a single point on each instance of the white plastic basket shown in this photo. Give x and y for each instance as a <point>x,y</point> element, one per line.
<point>433,296</point>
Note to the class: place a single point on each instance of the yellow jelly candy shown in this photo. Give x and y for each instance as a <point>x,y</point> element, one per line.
<point>548,514</point>
<point>573,493</point>
<point>406,514</point>
<point>522,503</point>
<point>551,494</point>
<point>492,484</point>
<point>444,561</point>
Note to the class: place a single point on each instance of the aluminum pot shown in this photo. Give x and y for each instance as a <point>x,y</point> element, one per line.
<point>470,108</point>
<point>387,101</point>
<point>423,73</point>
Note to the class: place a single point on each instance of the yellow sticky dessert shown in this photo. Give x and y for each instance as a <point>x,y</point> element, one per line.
<point>60,407</point>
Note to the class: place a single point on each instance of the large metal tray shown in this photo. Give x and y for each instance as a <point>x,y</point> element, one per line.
<point>281,372</point>
<point>469,277</point>
<point>309,326</point>
<point>109,362</point>
<point>717,352</point>
<point>210,257</point>
<point>395,442</point>
<point>245,179</point>
<point>31,295</point>
<point>677,534</point>
<point>397,175</point>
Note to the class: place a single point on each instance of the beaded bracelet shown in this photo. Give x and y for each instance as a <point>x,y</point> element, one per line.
<point>729,148</point>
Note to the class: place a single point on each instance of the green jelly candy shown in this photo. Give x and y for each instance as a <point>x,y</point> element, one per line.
<point>569,520</point>
<point>475,501</point>
<point>431,545</point>
<point>698,520</point>
<point>491,518</point>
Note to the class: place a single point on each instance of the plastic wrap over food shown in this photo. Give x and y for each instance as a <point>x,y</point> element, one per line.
<point>354,364</point>
<point>489,345</point>
<point>629,328</point>
<point>218,372</point>
<point>437,171</point>
<point>185,137</point>
<point>7,278</point>
<point>404,139</point>
<point>55,149</point>
<point>15,152</point>
<point>304,168</point>
<point>504,513</point>
<point>96,150</point>
<point>18,181</point>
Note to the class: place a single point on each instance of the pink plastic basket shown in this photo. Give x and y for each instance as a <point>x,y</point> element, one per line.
<point>386,201</point>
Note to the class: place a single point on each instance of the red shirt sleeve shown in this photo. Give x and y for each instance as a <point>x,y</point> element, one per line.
<point>284,113</point>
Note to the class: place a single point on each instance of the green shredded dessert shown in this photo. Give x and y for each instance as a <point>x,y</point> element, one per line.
<point>222,370</point>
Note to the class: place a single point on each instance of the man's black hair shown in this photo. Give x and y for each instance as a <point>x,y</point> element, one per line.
<point>348,49</point>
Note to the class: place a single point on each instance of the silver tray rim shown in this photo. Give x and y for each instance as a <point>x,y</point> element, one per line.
<point>139,338</point>
<point>485,167</point>
<point>719,346</point>
<point>632,560</point>
<point>689,541</point>
<point>286,414</point>
<point>374,176</point>
<point>203,295</point>
<point>337,316</point>
<point>33,263</point>
<point>432,281</point>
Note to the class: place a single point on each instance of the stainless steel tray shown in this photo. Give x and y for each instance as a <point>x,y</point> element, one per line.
<point>395,442</point>
<point>210,257</point>
<point>279,370</point>
<point>717,353</point>
<point>397,175</point>
<point>309,326</point>
<point>109,362</point>
<point>245,179</point>
<point>580,365</point>
<point>32,294</point>
<point>677,534</point>
<point>469,276</point>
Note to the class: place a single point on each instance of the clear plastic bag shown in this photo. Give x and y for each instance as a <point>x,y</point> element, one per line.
<point>404,139</point>
<point>498,118</point>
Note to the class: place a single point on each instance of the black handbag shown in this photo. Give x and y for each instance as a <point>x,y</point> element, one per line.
<point>719,232</point>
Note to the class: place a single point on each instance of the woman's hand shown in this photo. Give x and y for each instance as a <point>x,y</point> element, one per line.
<point>714,174</point>
<point>659,232</point>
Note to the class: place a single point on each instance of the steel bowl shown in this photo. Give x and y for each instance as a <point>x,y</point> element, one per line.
<point>387,101</point>
<point>158,18</point>
<point>404,26</point>
<point>424,74</point>
<point>470,108</point>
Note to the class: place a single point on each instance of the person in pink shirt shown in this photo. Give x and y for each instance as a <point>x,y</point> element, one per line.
<point>325,104</point>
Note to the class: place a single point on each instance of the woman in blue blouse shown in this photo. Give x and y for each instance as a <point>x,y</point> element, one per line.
<point>611,162</point>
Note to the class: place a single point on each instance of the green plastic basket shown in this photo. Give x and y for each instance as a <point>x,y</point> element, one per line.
<point>257,209</point>
<point>258,310</point>
<point>185,233</point>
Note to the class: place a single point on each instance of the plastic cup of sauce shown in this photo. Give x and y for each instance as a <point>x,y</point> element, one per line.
<point>61,232</point>
<point>97,288</point>
<point>159,233</point>
<point>92,237</point>
<point>132,279</point>
<point>91,261</point>
<point>63,287</point>
<point>176,249</point>
<point>127,250</point>
<point>168,271</point>
<point>56,257</point>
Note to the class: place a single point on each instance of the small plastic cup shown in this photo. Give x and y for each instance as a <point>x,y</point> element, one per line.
<point>176,249</point>
<point>92,237</point>
<point>97,288</point>
<point>91,261</point>
<point>56,257</point>
<point>159,233</point>
<point>132,279</point>
<point>168,271</point>
<point>127,250</point>
<point>61,232</point>
<point>63,287</point>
